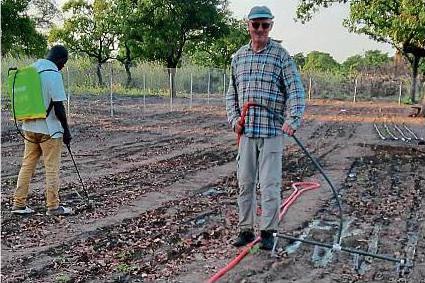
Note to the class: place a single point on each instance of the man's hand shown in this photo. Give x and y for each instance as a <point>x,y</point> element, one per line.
<point>238,127</point>
<point>287,129</point>
<point>67,138</point>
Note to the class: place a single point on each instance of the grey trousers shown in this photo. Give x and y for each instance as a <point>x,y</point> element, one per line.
<point>259,159</point>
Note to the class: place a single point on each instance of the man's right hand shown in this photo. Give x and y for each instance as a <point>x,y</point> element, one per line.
<point>67,138</point>
<point>238,127</point>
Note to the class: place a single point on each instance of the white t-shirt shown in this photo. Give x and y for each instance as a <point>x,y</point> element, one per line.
<point>53,89</point>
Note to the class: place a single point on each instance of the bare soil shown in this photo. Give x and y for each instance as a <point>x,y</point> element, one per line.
<point>164,188</point>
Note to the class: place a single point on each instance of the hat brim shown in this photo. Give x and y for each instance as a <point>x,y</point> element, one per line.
<point>260,16</point>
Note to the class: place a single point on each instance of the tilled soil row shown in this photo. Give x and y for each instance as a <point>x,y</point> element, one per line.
<point>111,192</point>
<point>157,244</point>
<point>383,211</point>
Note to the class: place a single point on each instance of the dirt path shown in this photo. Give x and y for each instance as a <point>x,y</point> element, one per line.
<point>165,192</point>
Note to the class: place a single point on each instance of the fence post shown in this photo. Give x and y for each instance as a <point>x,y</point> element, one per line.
<point>191,90</point>
<point>112,103</point>
<point>69,94</point>
<point>355,90</point>
<point>309,89</point>
<point>399,93</point>
<point>171,90</point>
<point>144,82</point>
<point>224,83</point>
<point>209,82</point>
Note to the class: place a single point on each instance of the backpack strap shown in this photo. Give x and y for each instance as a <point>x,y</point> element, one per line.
<point>49,108</point>
<point>51,101</point>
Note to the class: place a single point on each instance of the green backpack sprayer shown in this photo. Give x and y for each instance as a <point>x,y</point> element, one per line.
<point>26,95</point>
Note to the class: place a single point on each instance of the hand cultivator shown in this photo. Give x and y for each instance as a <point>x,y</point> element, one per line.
<point>407,135</point>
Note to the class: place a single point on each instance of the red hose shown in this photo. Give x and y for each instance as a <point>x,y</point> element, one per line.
<point>243,115</point>
<point>284,208</point>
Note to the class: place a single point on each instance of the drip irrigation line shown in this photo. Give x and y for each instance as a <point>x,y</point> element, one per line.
<point>401,132</point>
<point>337,247</point>
<point>379,133</point>
<point>411,132</point>
<point>390,133</point>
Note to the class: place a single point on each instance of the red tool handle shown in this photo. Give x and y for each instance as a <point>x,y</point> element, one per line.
<point>243,114</point>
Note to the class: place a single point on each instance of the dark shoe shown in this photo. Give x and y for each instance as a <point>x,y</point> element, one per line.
<point>21,210</point>
<point>61,210</point>
<point>267,240</point>
<point>245,237</point>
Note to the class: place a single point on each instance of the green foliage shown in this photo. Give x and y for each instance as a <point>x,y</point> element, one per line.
<point>218,52</point>
<point>400,23</point>
<point>407,100</point>
<point>369,61</point>
<point>19,36</point>
<point>170,24</point>
<point>88,30</point>
<point>62,278</point>
<point>320,61</point>
<point>422,66</point>
<point>299,59</point>
<point>352,64</point>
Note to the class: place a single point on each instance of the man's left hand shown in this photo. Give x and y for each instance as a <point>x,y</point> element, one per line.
<point>287,129</point>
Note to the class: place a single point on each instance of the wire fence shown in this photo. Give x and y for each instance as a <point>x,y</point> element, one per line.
<point>148,84</point>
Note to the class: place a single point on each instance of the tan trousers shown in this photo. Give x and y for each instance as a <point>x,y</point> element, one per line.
<point>51,152</point>
<point>259,159</point>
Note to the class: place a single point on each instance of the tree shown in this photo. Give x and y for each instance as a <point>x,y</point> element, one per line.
<point>44,13</point>
<point>19,35</point>
<point>130,32</point>
<point>371,60</point>
<point>400,23</point>
<point>375,58</point>
<point>89,30</point>
<point>299,59</point>
<point>217,52</point>
<point>320,61</point>
<point>353,64</point>
<point>171,24</point>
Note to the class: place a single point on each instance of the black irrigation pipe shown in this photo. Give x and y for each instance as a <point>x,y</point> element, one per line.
<point>338,201</point>
<point>337,247</point>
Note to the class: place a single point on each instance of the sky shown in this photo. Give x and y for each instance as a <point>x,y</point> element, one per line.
<point>323,33</point>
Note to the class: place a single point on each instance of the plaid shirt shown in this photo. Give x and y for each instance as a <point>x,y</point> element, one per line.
<point>271,79</point>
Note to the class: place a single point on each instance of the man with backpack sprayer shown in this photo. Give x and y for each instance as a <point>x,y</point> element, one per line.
<point>264,80</point>
<point>44,136</point>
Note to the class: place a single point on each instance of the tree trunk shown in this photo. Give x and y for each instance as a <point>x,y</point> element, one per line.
<point>422,112</point>
<point>128,72</point>
<point>127,64</point>
<point>415,65</point>
<point>99,73</point>
<point>172,81</point>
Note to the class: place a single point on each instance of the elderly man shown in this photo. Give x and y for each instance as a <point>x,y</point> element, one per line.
<point>264,81</point>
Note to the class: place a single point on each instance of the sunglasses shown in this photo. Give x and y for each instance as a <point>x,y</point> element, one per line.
<point>265,26</point>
